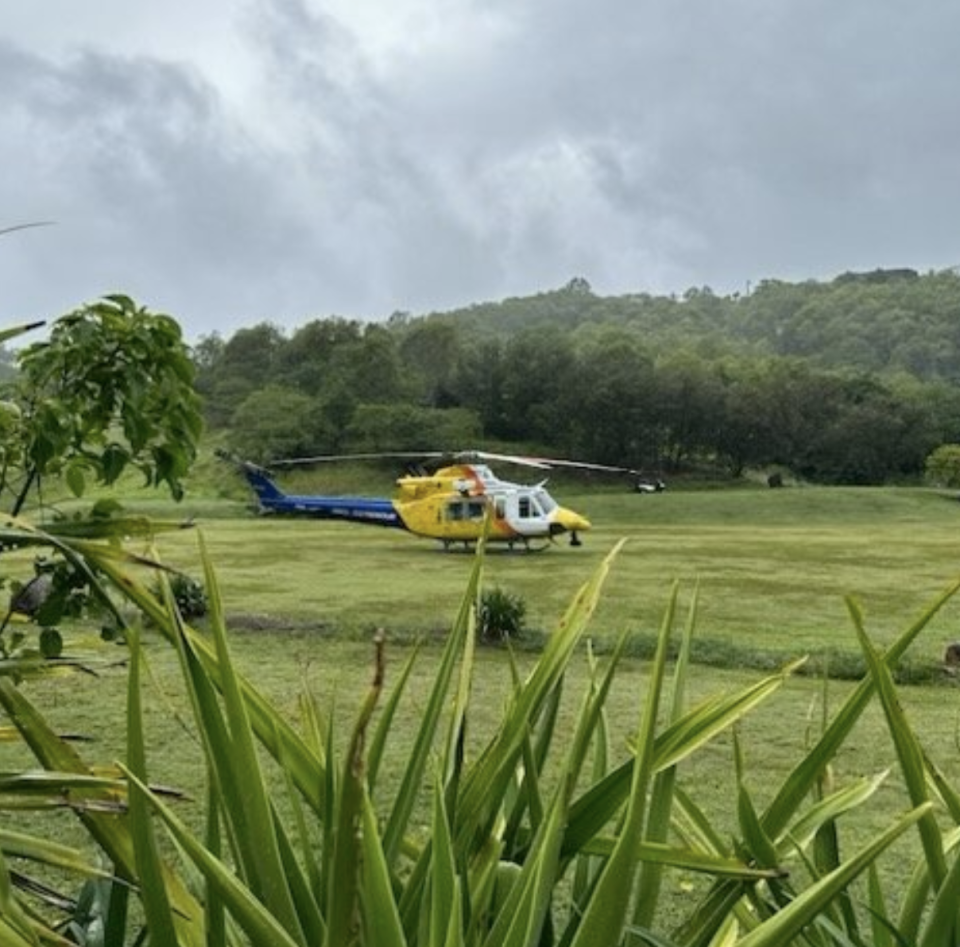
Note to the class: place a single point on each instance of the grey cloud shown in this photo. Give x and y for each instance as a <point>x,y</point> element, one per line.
<point>646,146</point>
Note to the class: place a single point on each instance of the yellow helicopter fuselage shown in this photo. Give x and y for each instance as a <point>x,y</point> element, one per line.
<point>461,503</point>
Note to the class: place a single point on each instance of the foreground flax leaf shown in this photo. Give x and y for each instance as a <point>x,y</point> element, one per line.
<point>677,742</point>
<point>413,775</point>
<point>261,833</point>
<point>650,876</point>
<point>14,922</point>
<point>443,877</point>
<point>342,904</point>
<point>828,809</point>
<point>526,910</point>
<point>487,782</point>
<point>880,926</point>
<point>789,921</point>
<point>605,913</point>
<point>257,922</point>
<point>50,853</point>
<point>385,725</point>
<point>907,746</point>
<point>379,914</point>
<point>156,904</point>
<point>941,925</point>
<point>804,776</point>
<point>699,929</point>
<point>109,834</point>
<point>272,729</point>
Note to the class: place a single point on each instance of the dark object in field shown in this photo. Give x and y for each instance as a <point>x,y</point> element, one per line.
<point>775,480</point>
<point>29,599</point>
<point>951,657</point>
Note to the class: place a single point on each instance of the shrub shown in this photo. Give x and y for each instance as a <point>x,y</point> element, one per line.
<point>190,596</point>
<point>942,467</point>
<point>500,615</point>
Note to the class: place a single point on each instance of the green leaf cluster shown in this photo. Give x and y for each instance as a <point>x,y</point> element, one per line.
<point>110,389</point>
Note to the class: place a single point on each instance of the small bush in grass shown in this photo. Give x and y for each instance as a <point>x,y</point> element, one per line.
<point>190,596</point>
<point>500,616</point>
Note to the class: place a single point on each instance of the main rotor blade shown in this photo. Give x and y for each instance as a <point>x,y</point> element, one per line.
<point>340,458</point>
<point>549,462</point>
<point>473,455</point>
<point>461,456</point>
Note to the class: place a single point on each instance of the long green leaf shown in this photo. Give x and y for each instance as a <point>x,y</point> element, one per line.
<point>306,769</point>
<point>443,877</point>
<point>650,877</point>
<point>800,782</point>
<point>258,923</point>
<point>605,913</point>
<point>380,917</point>
<point>789,921</point>
<point>153,889</point>
<point>880,924</point>
<point>111,835</point>
<point>47,852</point>
<point>586,866</point>
<point>907,746</point>
<point>261,845</point>
<point>827,810</point>
<point>688,859</point>
<point>413,775</point>
<point>527,909</point>
<point>14,918</point>
<point>941,926</point>
<point>487,781</point>
<point>342,903</point>
<point>700,928</point>
<point>696,727</point>
<point>385,725</point>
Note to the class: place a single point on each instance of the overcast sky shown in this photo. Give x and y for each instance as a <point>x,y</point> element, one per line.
<point>234,161</point>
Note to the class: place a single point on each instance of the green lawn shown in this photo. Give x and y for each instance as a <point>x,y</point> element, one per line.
<point>772,568</point>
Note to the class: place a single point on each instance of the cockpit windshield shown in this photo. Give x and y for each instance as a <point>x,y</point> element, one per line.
<point>545,501</point>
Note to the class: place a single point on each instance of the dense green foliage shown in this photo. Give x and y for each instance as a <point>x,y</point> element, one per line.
<point>110,388</point>
<point>852,381</point>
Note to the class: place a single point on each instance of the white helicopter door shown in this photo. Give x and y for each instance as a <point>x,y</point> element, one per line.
<point>525,514</point>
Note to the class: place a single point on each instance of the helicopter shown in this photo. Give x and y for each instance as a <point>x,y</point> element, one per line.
<point>452,497</point>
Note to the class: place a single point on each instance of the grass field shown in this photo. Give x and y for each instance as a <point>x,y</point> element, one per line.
<point>772,568</point>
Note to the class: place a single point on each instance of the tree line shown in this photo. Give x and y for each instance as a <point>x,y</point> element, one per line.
<point>852,381</point>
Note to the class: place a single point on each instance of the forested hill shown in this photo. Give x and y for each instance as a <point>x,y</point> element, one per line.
<point>855,380</point>
<point>883,321</point>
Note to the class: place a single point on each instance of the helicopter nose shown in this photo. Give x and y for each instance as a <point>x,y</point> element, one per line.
<point>566,521</point>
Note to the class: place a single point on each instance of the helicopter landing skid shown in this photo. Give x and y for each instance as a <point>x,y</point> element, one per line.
<point>520,545</point>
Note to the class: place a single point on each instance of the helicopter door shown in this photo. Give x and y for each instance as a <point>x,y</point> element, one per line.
<point>526,516</point>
